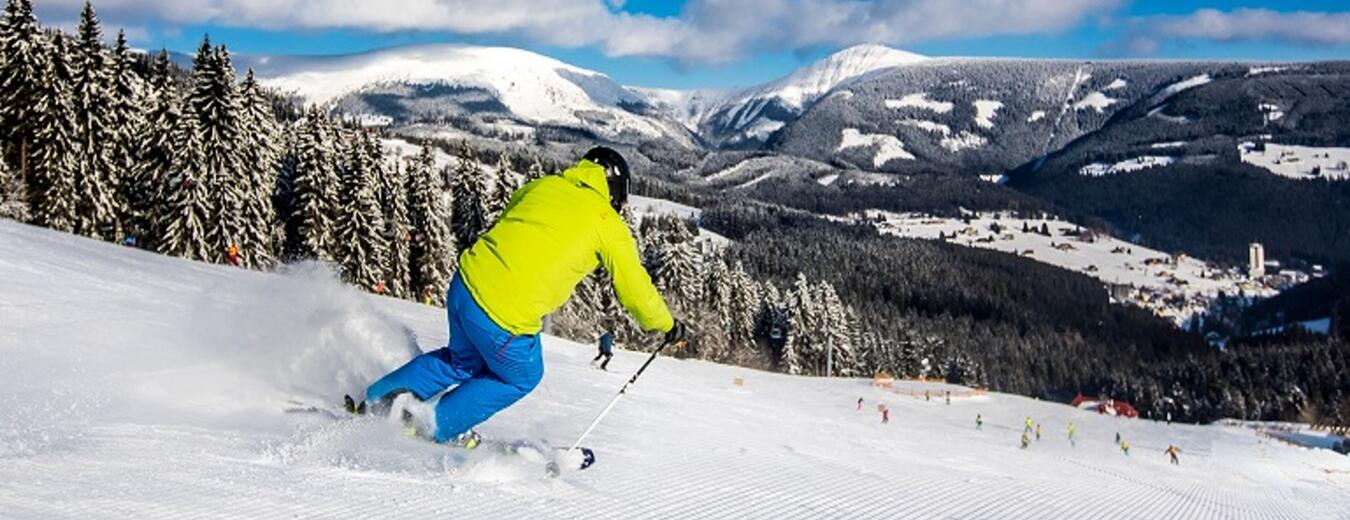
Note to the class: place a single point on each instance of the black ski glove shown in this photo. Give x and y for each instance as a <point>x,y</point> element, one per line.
<point>676,334</point>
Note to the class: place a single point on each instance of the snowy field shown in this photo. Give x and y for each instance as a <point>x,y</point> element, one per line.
<point>1106,258</point>
<point>140,386</point>
<point>1299,162</point>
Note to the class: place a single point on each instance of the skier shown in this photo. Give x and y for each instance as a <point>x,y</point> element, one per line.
<point>1072,430</point>
<point>1125,447</point>
<point>555,231</point>
<point>1172,450</point>
<point>949,397</point>
<point>606,350</point>
<point>1026,440</point>
<point>860,402</point>
<point>979,422</point>
<point>233,254</point>
<point>1027,428</point>
<point>885,415</point>
<point>1117,438</point>
<point>1038,431</point>
<point>926,396</point>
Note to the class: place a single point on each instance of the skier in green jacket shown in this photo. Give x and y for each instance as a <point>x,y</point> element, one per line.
<point>555,231</point>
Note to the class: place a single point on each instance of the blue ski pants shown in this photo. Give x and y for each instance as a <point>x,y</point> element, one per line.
<point>491,367</point>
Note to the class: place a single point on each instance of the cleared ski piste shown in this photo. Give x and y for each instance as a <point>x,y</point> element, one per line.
<point>150,387</point>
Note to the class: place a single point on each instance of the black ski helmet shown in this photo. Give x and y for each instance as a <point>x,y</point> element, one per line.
<point>616,173</point>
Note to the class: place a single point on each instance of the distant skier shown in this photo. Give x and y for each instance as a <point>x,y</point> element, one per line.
<point>1027,427</point>
<point>1038,431</point>
<point>949,397</point>
<point>1173,450</point>
<point>232,253</point>
<point>926,396</point>
<point>885,415</point>
<point>1125,447</point>
<point>860,403</point>
<point>1072,430</point>
<point>606,350</point>
<point>1026,440</point>
<point>979,422</point>
<point>555,231</point>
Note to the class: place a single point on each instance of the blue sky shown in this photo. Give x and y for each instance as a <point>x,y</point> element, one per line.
<point>713,43</point>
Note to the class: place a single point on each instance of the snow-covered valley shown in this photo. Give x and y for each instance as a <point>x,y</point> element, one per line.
<point>153,387</point>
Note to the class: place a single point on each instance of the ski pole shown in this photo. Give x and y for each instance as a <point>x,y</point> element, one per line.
<point>615,400</point>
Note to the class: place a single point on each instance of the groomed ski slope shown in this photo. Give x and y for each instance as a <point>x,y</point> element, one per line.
<point>140,386</point>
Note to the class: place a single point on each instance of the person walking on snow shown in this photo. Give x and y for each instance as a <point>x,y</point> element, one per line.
<point>606,350</point>
<point>979,422</point>
<point>1173,450</point>
<point>555,231</point>
<point>860,402</point>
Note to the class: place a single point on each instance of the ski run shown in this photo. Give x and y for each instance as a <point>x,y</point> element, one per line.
<point>144,386</point>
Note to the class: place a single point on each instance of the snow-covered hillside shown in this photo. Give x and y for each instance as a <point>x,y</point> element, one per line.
<point>148,387</point>
<point>532,87</point>
<point>755,112</point>
<point>1172,287</point>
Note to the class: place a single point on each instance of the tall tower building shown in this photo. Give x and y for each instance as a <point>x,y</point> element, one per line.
<point>1256,260</point>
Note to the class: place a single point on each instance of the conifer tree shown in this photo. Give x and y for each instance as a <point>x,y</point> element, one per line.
<point>92,96</point>
<point>187,220</point>
<point>398,232</point>
<point>469,187</point>
<point>261,163</point>
<point>52,151</point>
<point>127,121</point>
<point>536,171</point>
<point>315,187</point>
<point>433,250</point>
<point>214,102</point>
<point>361,229</point>
<point>24,70</point>
<point>149,196</point>
<point>504,186</point>
<point>13,199</point>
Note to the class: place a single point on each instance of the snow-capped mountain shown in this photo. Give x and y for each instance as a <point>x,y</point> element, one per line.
<point>501,89</point>
<point>751,115</point>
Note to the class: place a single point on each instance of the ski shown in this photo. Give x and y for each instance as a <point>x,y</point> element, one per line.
<point>556,459</point>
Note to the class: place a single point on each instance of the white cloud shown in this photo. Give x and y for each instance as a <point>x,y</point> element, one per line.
<point>1301,28</point>
<point>706,31</point>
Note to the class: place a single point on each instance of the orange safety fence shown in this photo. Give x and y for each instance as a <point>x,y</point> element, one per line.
<point>885,382</point>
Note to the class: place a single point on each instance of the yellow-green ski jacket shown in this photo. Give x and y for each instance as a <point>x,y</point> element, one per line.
<point>555,231</point>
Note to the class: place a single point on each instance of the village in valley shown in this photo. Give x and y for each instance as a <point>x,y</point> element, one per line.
<point>1183,289</point>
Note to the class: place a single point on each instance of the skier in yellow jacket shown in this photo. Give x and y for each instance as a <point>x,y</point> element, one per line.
<point>555,231</point>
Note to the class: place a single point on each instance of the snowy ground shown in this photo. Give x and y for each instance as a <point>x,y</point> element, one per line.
<point>147,387</point>
<point>1299,162</point>
<point>1172,288</point>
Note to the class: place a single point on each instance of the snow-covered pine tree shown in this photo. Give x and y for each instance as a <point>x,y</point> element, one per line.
<point>802,320</point>
<point>128,121</point>
<point>398,231</point>
<point>504,185</point>
<point>743,302</point>
<point>261,163</point>
<point>95,133</point>
<point>681,267</point>
<point>315,188</point>
<point>23,73</point>
<point>469,186</point>
<point>716,299</point>
<point>187,218</point>
<point>149,195</point>
<point>433,249</point>
<point>535,172</point>
<point>51,152</point>
<point>361,228</point>
<point>835,329</point>
<point>13,199</point>
<point>214,101</point>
